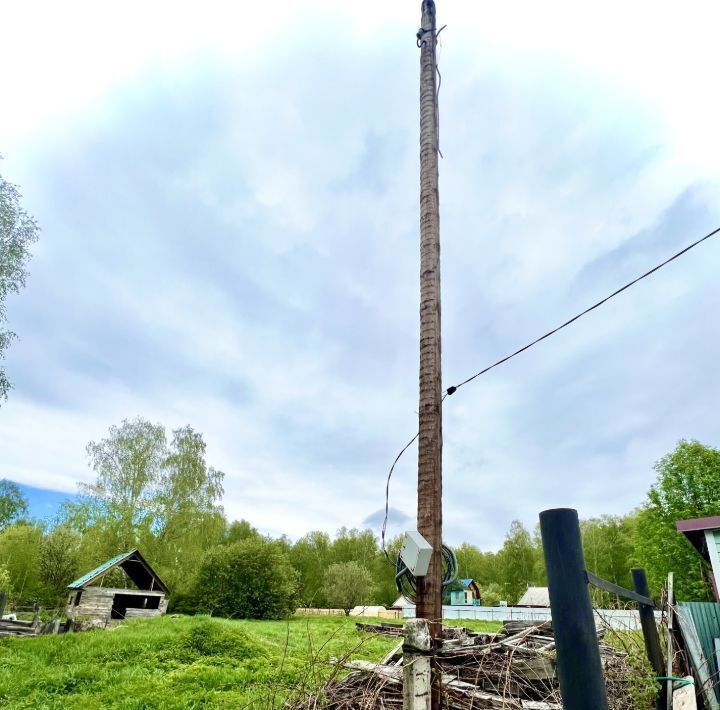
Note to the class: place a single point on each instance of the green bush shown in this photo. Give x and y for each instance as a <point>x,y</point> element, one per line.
<point>251,579</point>
<point>491,594</point>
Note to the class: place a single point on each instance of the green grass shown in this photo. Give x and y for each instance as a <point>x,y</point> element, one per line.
<point>184,662</point>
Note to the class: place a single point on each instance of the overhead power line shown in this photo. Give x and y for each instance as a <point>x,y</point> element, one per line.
<point>454,388</point>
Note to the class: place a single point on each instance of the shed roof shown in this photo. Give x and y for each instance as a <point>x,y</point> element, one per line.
<point>535,596</point>
<point>402,601</point>
<point>132,563</point>
<point>698,524</point>
<point>694,530</point>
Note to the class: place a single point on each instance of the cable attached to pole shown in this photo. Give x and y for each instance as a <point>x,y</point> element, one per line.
<point>406,582</point>
<point>454,388</point>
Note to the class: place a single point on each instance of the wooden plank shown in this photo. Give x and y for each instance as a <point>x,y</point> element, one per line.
<point>391,654</point>
<point>618,590</point>
<point>534,668</point>
<point>141,613</point>
<point>112,591</point>
<point>669,661</point>
<point>393,674</point>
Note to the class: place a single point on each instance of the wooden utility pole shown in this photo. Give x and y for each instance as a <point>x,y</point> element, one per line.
<point>429,519</point>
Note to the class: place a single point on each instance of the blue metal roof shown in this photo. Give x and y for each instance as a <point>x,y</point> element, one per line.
<point>465,582</point>
<point>104,567</point>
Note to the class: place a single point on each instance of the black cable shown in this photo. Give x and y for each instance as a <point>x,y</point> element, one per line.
<point>437,93</point>
<point>387,495</point>
<point>420,41</point>
<point>387,490</point>
<point>406,582</point>
<point>454,388</point>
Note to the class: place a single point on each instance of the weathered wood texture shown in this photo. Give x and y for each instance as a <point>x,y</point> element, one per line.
<point>429,516</point>
<point>94,602</point>
<point>513,669</point>
<point>97,603</point>
<point>142,613</point>
<point>650,634</point>
<point>669,640</point>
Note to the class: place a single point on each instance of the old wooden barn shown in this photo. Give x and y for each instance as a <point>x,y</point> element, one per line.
<point>144,593</point>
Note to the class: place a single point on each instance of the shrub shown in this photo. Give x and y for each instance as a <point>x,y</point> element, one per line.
<point>250,579</point>
<point>491,594</point>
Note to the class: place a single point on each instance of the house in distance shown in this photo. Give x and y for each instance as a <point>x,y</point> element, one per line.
<point>144,594</point>
<point>537,597</point>
<point>466,592</point>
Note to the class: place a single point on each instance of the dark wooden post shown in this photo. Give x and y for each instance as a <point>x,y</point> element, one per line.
<point>669,659</point>
<point>429,486</point>
<point>3,602</point>
<point>650,634</point>
<point>578,657</point>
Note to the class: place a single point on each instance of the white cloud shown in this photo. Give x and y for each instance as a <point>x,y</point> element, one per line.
<point>229,217</point>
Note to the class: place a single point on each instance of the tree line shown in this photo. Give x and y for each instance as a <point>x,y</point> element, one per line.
<point>156,492</point>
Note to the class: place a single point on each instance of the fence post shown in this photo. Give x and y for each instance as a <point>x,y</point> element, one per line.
<point>650,634</point>
<point>582,685</point>
<point>3,602</point>
<point>416,665</point>
<point>669,660</point>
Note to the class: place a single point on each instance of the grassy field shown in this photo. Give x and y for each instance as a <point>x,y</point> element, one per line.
<point>183,662</point>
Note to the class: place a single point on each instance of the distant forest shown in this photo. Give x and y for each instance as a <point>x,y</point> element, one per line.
<point>157,493</point>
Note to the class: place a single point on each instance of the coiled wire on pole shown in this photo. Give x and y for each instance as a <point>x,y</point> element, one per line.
<point>406,581</point>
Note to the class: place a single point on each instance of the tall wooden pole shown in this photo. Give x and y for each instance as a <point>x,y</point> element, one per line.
<point>429,519</point>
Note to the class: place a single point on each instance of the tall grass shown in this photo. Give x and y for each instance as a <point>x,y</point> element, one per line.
<point>183,662</point>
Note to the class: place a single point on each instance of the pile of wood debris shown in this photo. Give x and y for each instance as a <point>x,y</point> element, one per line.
<point>513,670</point>
<point>15,627</point>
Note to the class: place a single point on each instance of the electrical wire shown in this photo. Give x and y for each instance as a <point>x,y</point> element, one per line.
<point>420,41</point>
<point>387,490</point>
<point>451,390</point>
<point>437,93</point>
<point>387,495</point>
<point>454,388</point>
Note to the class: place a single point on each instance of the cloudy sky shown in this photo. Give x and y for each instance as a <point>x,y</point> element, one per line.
<point>228,196</point>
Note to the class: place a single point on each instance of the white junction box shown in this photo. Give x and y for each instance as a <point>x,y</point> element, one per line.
<point>416,553</point>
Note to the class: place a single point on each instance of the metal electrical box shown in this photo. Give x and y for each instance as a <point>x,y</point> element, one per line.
<point>416,553</point>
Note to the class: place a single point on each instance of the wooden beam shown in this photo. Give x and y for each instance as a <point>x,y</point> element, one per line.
<point>429,487</point>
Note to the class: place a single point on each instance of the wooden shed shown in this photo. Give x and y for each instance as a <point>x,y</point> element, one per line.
<point>144,594</point>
